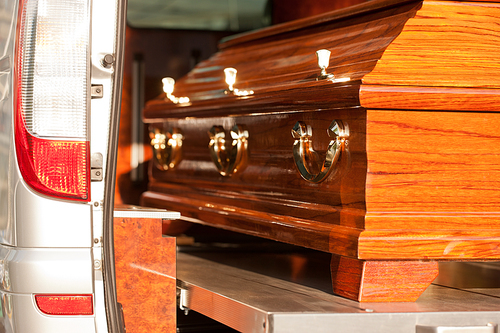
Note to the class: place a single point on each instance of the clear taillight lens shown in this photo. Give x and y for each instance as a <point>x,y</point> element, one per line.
<point>52,97</point>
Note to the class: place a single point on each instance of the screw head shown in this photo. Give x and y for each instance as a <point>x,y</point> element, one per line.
<point>108,60</point>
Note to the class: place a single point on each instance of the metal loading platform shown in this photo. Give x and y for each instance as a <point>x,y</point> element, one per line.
<point>262,288</point>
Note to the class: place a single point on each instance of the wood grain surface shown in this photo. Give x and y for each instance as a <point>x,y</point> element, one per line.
<point>145,264</point>
<point>421,177</point>
<point>381,281</point>
<point>362,9</point>
<point>446,44</point>
<point>429,98</point>
<point>202,208</point>
<point>412,164</point>
<point>429,244</point>
<point>282,68</point>
<point>433,162</point>
<point>290,10</point>
<point>271,178</point>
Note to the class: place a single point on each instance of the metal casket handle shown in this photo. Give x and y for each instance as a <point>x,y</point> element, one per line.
<point>307,160</point>
<point>167,147</point>
<point>232,159</point>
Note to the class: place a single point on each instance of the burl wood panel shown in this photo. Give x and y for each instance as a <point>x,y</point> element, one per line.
<point>381,281</point>
<point>145,275</point>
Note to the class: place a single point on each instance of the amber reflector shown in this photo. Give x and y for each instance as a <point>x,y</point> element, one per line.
<point>65,305</point>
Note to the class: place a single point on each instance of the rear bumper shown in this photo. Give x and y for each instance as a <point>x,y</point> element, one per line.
<point>26,272</point>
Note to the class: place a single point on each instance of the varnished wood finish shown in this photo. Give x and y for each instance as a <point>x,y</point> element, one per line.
<point>421,163</point>
<point>456,49</point>
<point>204,209</point>
<point>145,275</point>
<point>271,164</point>
<point>287,68</point>
<point>364,8</point>
<point>168,58</point>
<point>290,10</point>
<point>430,98</point>
<point>381,281</point>
<point>420,180</point>
<point>429,244</point>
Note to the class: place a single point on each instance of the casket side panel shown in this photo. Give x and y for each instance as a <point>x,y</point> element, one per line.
<point>422,107</point>
<point>446,44</point>
<point>269,193</point>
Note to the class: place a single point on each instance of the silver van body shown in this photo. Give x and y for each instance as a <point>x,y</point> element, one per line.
<point>51,246</point>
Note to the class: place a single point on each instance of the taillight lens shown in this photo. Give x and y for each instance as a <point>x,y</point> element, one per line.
<point>65,305</point>
<point>52,96</point>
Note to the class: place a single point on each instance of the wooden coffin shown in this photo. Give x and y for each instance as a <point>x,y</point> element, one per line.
<point>408,173</point>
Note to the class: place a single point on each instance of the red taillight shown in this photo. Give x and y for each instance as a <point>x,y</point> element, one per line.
<point>65,305</point>
<point>56,168</point>
<point>51,78</point>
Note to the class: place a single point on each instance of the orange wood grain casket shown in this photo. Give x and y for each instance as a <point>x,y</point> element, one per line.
<point>391,164</point>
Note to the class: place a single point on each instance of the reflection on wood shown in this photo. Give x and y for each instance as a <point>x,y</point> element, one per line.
<point>420,177</point>
<point>458,49</point>
<point>145,275</point>
<point>165,58</point>
<point>381,281</point>
<point>289,10</point>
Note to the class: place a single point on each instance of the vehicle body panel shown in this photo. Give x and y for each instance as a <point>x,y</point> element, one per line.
<point>55,246</point>
<point>8,20</point>
<point>25,270</point>
<point>50,223</point>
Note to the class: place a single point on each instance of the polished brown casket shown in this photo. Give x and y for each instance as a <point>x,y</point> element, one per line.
<point>388,159</point>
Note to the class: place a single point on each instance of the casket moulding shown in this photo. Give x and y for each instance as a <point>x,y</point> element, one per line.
<point>385,156</point>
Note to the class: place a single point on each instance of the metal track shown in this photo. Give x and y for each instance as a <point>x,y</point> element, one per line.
<point>262,291</point>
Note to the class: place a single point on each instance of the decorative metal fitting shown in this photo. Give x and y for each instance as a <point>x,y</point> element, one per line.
<point>308,161</point>
<point>168,85</point>
<point>168,88</point>
<point>167,148</point>
<point>323,63</point>
<point>230,74</point>
<point>232,159</point>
